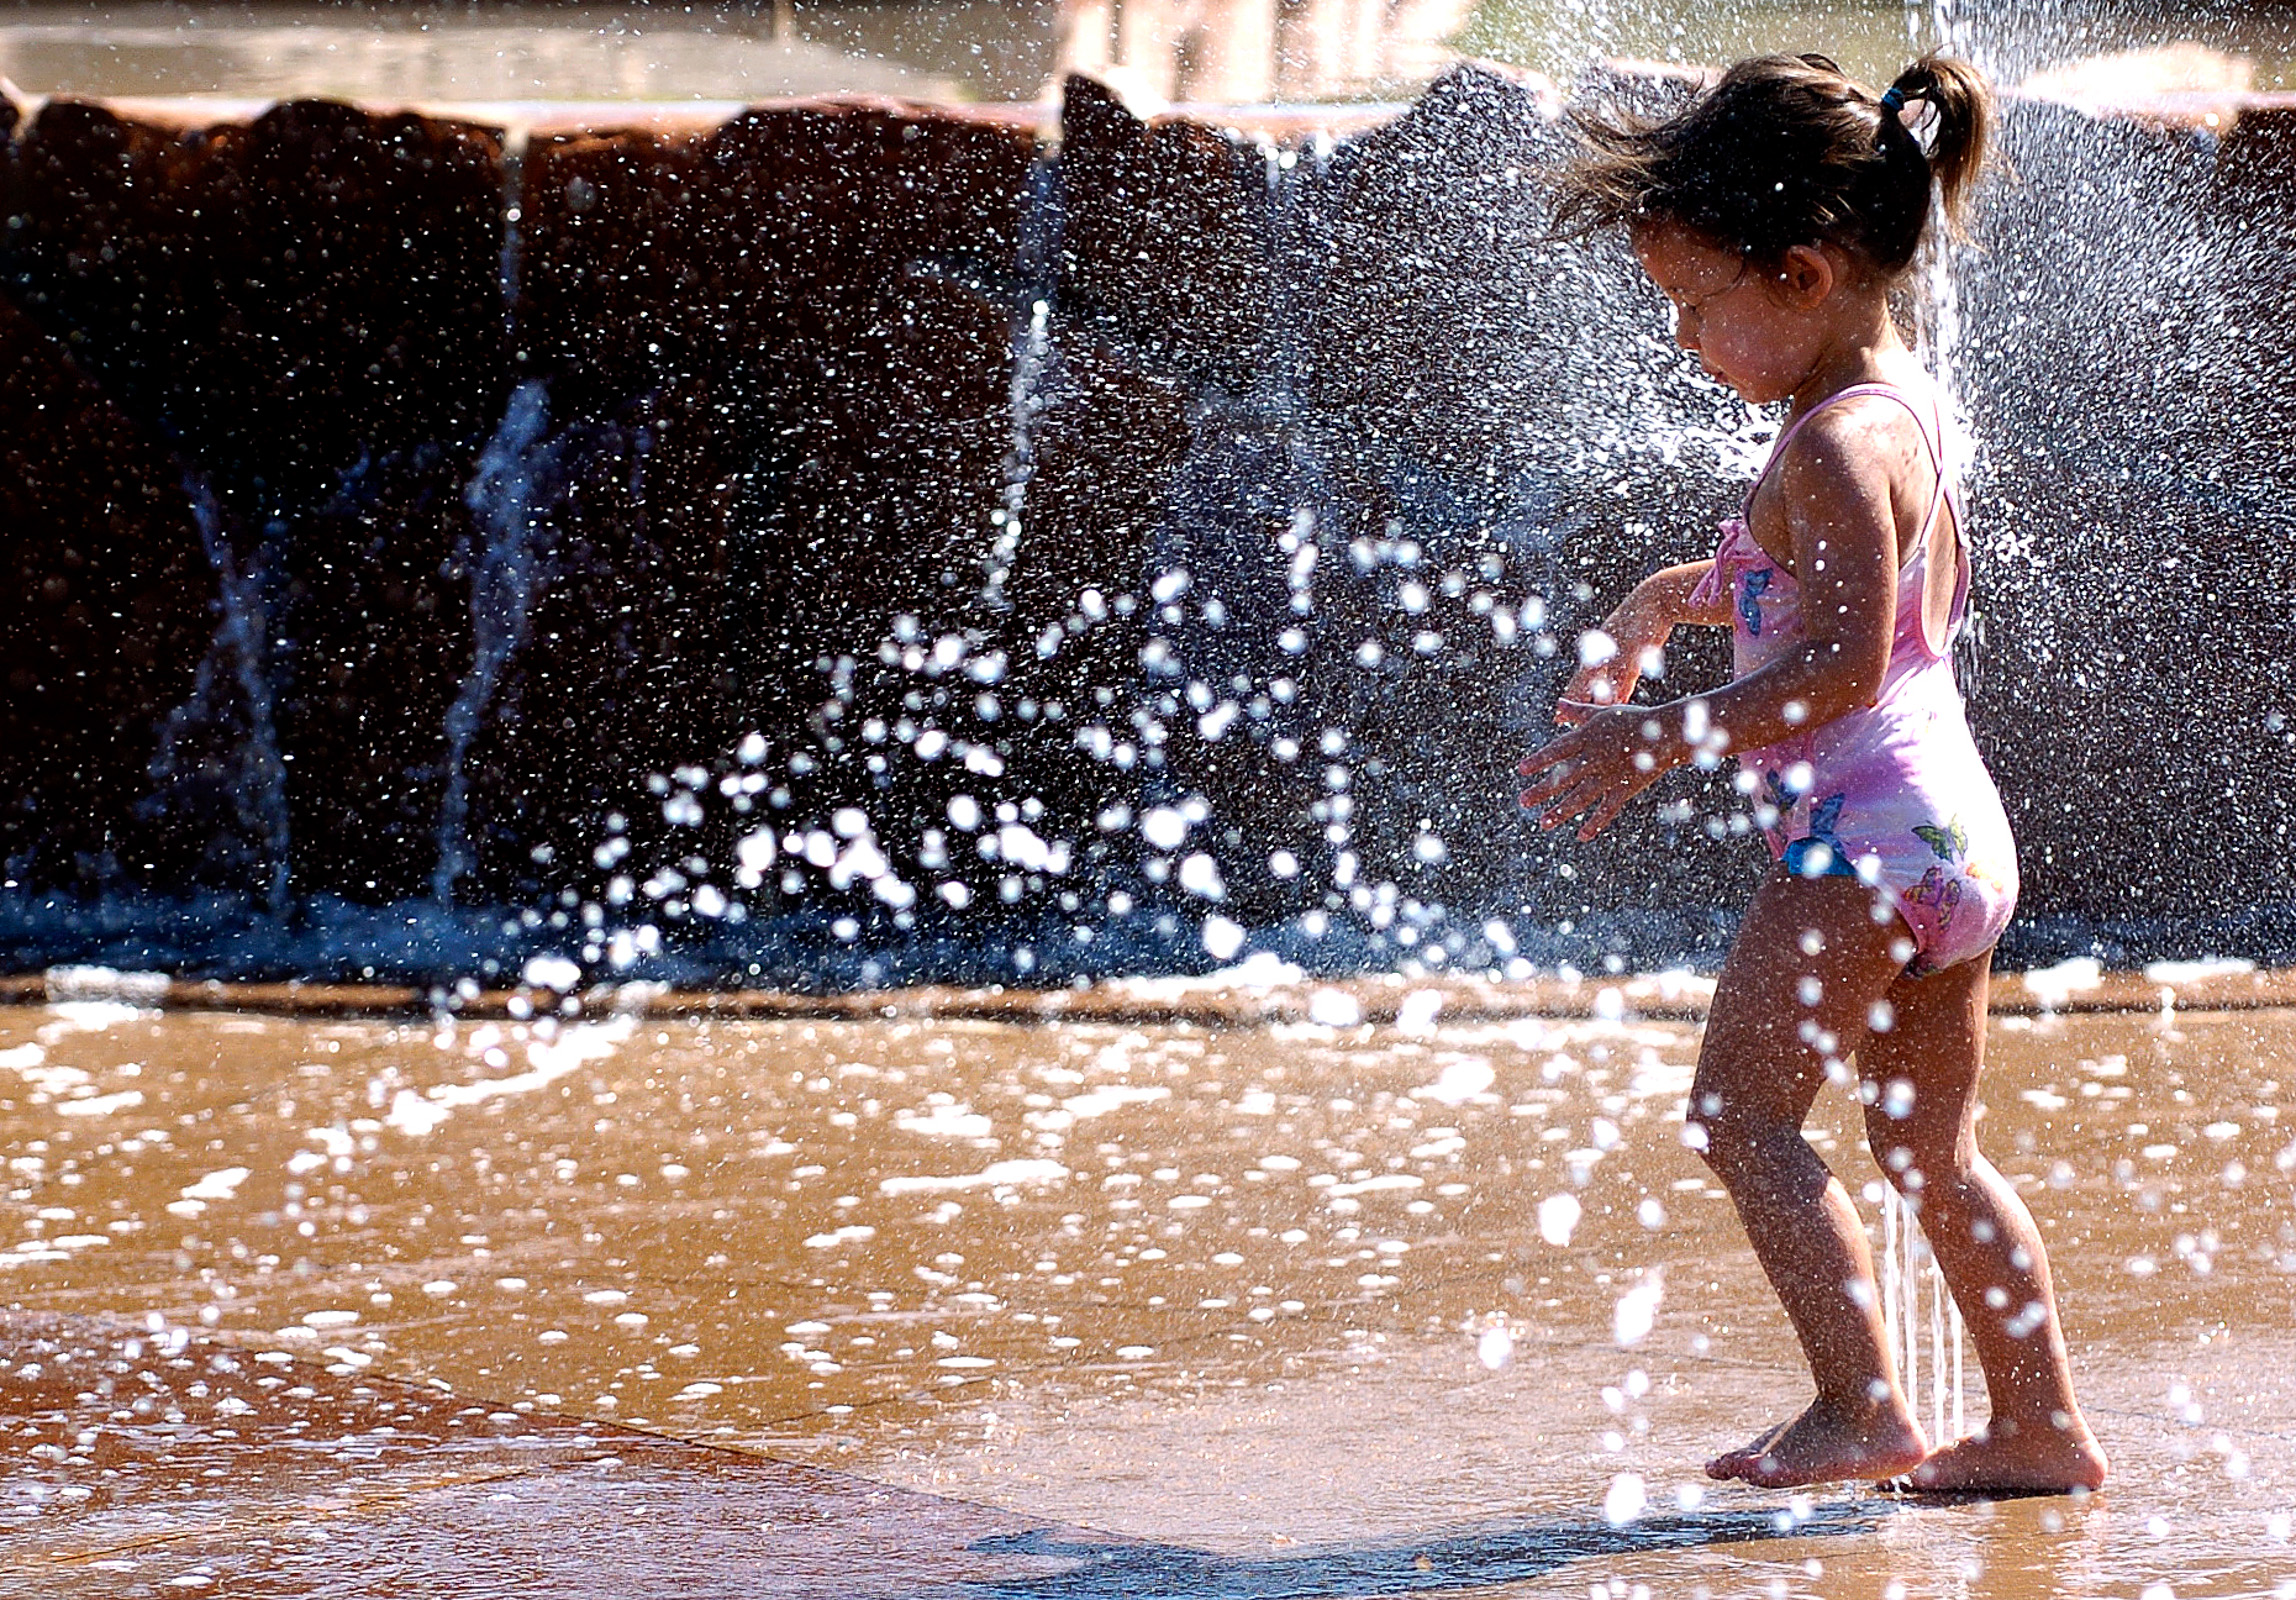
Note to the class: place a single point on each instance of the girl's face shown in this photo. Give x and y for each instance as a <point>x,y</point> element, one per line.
<point>1757,331</point>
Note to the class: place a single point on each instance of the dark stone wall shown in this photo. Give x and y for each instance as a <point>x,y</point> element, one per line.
<point>777,363</point>
<point>108,599</point>
<point>300,322</point>
<point>404,517</point>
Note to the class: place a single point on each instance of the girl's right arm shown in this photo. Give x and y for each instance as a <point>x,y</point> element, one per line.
<point>1633,638</point>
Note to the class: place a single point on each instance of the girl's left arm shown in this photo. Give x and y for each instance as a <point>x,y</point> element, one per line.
<point>1840,515</point>
<point>1635,635</point>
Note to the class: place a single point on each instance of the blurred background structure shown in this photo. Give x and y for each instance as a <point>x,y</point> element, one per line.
<point>1154,52</point>
<point>1247,52</point>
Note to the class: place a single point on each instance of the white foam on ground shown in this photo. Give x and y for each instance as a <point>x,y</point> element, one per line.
<point>220,1185</point>
<point>1637,1311</point>
<point>1559,1218</point>
<point>102,1105</point>
<point>1101,1101</point>
<point>2053,986</point>
<point>217,1185</point>
<point>1418,1011</point>
<point>1379,1185</point>
<point>2175,973</point>
<point>90,1016</point>
<point>139,989</point>
<point>1458,1083</point>
<point>548,1060</point>
<point>999,1174</point>
<point>1262,969</point>
<point>954,1121</point>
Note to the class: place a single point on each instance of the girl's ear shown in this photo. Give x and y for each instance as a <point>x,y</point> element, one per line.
<point>1805,277</point>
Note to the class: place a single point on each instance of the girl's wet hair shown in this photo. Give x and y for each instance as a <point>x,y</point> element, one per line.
<point>1786,151</point>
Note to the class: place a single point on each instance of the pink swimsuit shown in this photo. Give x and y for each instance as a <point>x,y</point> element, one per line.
<point>1894,794</point>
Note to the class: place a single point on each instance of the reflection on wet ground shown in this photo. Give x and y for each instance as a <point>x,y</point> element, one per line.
<point>943,1307</point>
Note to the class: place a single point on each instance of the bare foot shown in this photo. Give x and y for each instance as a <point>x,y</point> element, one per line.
<point>2005,1459</point>
<point>1725,1464</point>
<point>1826,1443</point>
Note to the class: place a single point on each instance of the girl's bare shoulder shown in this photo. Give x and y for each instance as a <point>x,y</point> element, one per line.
<point>1856,448</point>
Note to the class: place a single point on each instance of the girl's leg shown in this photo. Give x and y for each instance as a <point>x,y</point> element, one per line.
<point>1984,1239</point>
<point>1794,998</point>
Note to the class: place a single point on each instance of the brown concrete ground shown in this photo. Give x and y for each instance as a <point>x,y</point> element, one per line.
<point>948,1306</point>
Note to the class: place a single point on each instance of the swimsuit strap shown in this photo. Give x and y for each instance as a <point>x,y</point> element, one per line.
<point>1942,495</point>
<point>1891,391</point>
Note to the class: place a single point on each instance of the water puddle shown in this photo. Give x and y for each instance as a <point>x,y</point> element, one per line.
<point>1092,1309</point>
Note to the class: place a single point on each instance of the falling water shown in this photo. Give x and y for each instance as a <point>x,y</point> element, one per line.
<point>1918,1311</point>
<point>505,572</point>
<point>503,582</point>
<point>1939,309</point>
<point>1917,1308</point>
<point>237,656</point>
<point>1032,356</point>
<point>1031,346</point>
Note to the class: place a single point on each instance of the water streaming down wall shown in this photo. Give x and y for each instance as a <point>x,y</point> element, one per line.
<point>300,316</point>
<point>217,758</point>
<point>864,542</point>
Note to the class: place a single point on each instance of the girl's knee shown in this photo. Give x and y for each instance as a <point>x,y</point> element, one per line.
<point>1914,1143</point>
<point>1933,1171</point>
<point>1730,1137</point>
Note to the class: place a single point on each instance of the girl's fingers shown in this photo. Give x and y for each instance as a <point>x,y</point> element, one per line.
<point>1561,777</point>
<point>1608,683</point>
<point>1581,687</point>
<point>1576,794</point>
<point>1541,795</point>
<point>1593,797</point>
<point>1554,753</point>
<point>1628,785</point>
<point>1595,689</point>
<point>1586,775</point>
<point>1605,814</point>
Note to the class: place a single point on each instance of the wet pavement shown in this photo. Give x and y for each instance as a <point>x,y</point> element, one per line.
<point>946,1307</point>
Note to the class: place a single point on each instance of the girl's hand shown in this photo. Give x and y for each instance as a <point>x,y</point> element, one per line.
<point>1593,770</point>
<point>1614,659</point>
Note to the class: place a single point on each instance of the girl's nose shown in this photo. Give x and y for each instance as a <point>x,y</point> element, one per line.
<point>1685,330</point>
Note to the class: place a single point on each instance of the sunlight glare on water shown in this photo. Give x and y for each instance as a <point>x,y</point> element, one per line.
<point>1137,1278</point>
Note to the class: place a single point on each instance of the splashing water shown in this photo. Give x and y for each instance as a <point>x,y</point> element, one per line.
<point>237,659</point>
<point>503,581</point>
<point>1033,376</point>
<point>1918,1310</point>
<point>1298,477</point>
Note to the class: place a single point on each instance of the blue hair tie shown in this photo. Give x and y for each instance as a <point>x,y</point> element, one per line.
<point>1893,100</point>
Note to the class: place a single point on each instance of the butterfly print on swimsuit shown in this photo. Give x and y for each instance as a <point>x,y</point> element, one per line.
<point>1823,818</point>
<point>1824,815</point>
<point>1780,793</point>
<point>1949,843</point>
<point>1751,587</point>
<point>1940,889</point>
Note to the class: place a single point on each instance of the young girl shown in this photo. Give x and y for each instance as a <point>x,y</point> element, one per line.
<point>1777,212</point>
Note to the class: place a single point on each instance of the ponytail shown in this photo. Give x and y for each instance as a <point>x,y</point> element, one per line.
<point>1788,150</point>
<point>1961,127</point>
